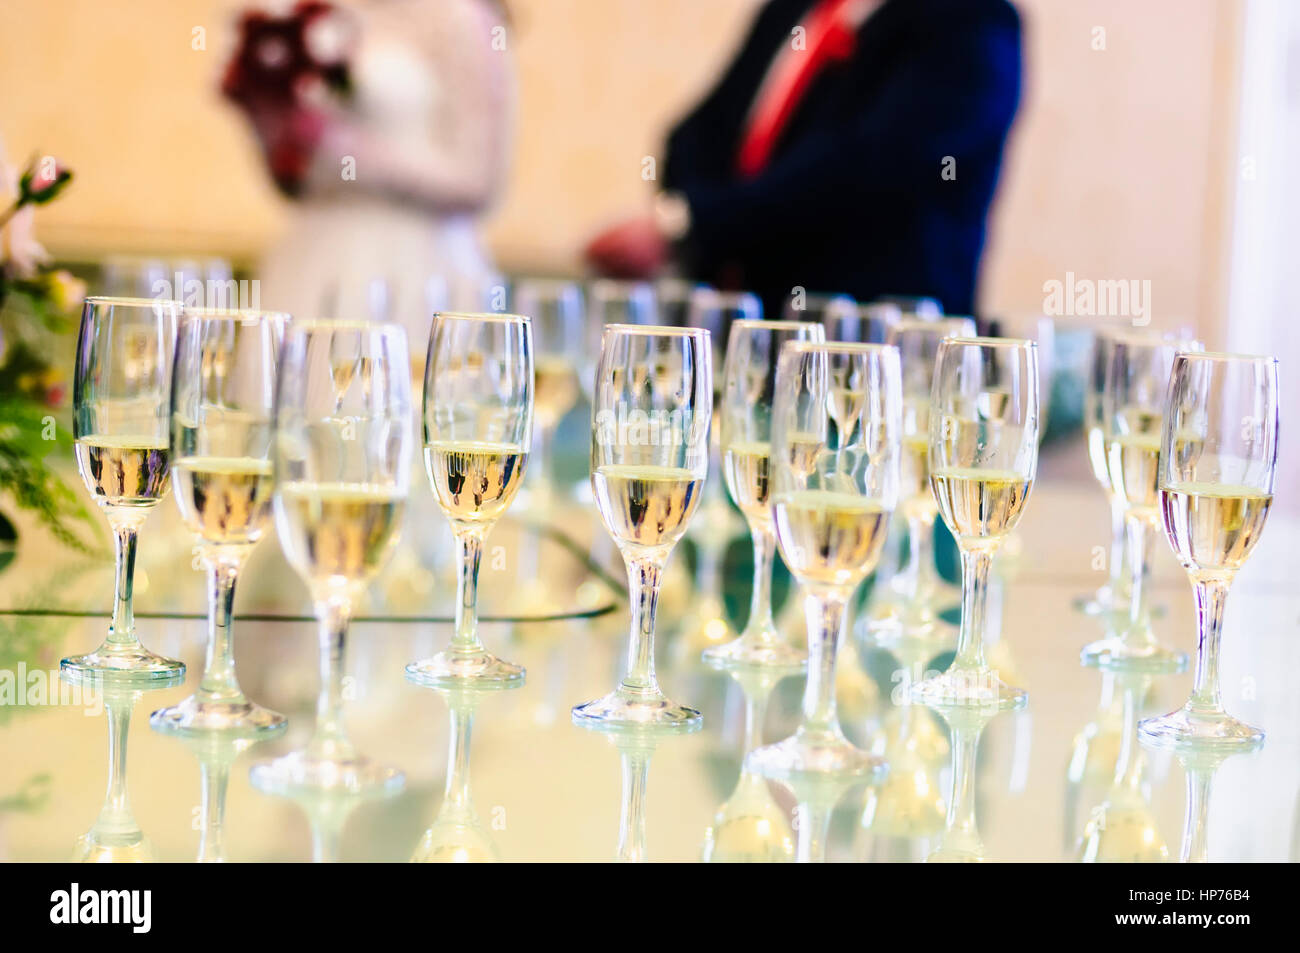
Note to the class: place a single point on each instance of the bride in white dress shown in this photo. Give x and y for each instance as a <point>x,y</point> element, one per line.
<point>386,221</point>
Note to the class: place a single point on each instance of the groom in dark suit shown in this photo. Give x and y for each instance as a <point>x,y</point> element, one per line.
<point>852,146</point>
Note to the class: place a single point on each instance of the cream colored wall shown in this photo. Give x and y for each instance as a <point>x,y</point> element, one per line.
<point>1116,170</point>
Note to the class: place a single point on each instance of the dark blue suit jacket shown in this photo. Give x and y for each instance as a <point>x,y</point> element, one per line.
<point>853,199</point>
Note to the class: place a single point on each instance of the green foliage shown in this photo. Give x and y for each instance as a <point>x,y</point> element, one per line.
<point>28,434</point>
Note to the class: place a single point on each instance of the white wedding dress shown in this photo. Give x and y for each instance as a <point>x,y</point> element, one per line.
<point>427,132</point>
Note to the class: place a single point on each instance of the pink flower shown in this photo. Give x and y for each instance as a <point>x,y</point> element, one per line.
<point>19,249</point>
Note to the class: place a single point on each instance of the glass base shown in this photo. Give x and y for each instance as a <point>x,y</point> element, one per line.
<point>460,670</point>
<point>123,662</point>
<point>809,756</point>
<point>1113,654</point>
<point>622,710</point>
<point>196,716</point>
<point>968,689</point>
<point>760,648</point>
<point>1189,729</point>
<point>299,773</point>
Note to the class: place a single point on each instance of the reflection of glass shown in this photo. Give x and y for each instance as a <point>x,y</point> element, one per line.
<point>1218,458</point>
<point>1133,406</point>
<point>478,422</point>
<point>1093,756</point>
<point>750,826</point>
<point>115,836</point>
<point>216,752</point>
<point>706,626</point>
<point>457,836</point>
<point>831,501</point>
<point>341,483</point>
<point>907,605</point>
<point>961,842</point>
<point>223,393</point>
<point>121,395</point>
<point>983,458</point>
<point>1200,764</point>
<point>1113,595</point>
<point>1122,829</point>
<point>745,415</point>
<point>649,458</point>
<point>559,336</point>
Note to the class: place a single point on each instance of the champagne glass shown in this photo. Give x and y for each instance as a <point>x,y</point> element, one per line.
<point>223,396</point>
<point>1218,454</point>
<point>818,307</point>
<point>859,324</point>
<point>1133,406</point>
<point>911,613</point>
<point>342,477</point>
<point>557,314</point>
<point>615,302</point>
<point>831,504</point>
<point>745,416</point>
<point>983,458</point>
<point>914,306</point>
<point>1113,594</point>
<point>121,395</point>
<point>706,625</point>
<point>478,426</point>
<point>649,459</point>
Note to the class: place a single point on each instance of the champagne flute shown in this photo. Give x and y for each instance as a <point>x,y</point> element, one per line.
<point>1133,407</point>
<point>342,477</point>
<point>745,416</point>
<point>223,396</point>
<point>859,324</point>
<point>910,613</point>
<point>557,314</point>
<point>614,302</point>
<point>1113,594</point>
<point>649,459</point>
<point>914,306</point>
<point>831,507</point>
<point>1218,454</point>
<point>983,458</point>
<point>478,426</point>
<point>121,395</point>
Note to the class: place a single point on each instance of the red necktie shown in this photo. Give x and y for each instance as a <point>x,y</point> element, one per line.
<point>829,37</point>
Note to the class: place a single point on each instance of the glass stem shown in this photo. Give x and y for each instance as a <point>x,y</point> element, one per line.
<point>825,612</point>
<point>125,535</point>
<point>760,623</point>
<point>1211,594</point>
<point>215,778</point>
<point>465,641</point>
<point>975,567</point>
<point>813,824</point>
<point>631,828</point>
<point>117,809</point>
<point>456,795</point>
<point>218,683</point>
<point>643,577</point>
<point>330,742</point>
<point>1128,766</point>
<point>961,805</point>
<point>1139,555</point>
<point>1118,546</point>
<point>1196,840</point>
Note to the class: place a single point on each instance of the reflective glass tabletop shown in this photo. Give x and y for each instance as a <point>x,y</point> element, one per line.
<point>507,775</point>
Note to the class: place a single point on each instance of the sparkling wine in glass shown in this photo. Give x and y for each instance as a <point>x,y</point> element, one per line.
<point>831,504</point>
<point>745,415</point>
<point>1218,456</point>
<point>223,397</point>
<point>342,476</point>
<point>558,316</point>
<point>984,419</point>
<point>907,607</point>
<point>1133,410</point>
<point>121,396</point>
<point>649,458</point>
<point>478,427</point>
